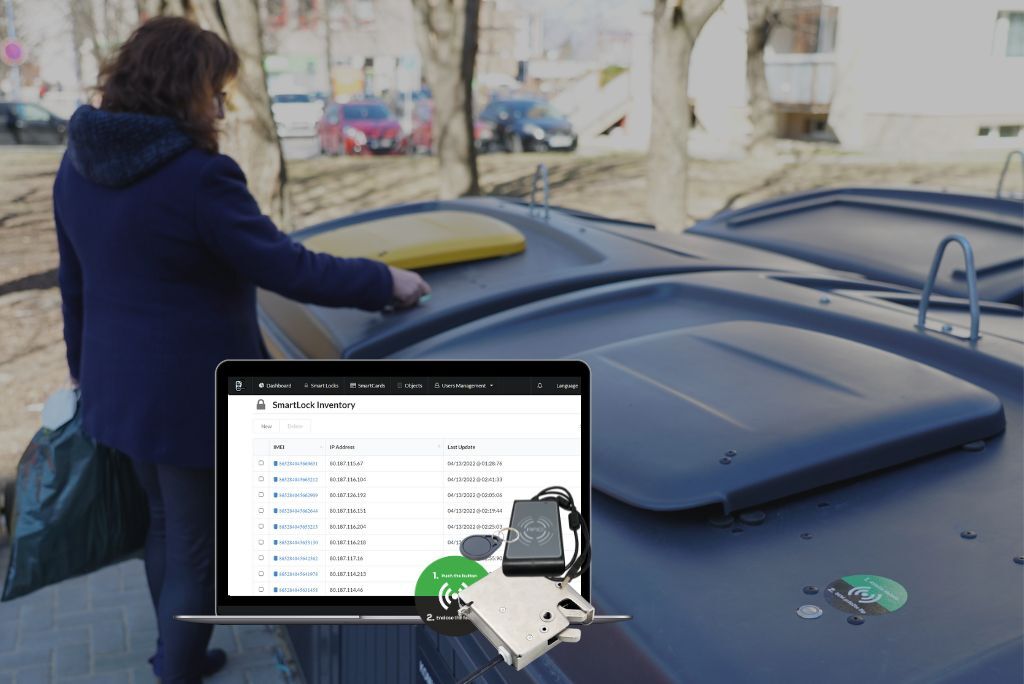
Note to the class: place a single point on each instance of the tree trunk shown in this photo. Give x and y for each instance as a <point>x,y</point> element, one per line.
<point>328,51</point>
<point>677,23</point>
<point>104,32</point>
<point>249,132</point>
<point>761,17</point>
<point>82,30</point>
<point>446,34</point>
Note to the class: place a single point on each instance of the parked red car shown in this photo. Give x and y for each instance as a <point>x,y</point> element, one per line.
<point>421,139</point>
<point>363,127</point>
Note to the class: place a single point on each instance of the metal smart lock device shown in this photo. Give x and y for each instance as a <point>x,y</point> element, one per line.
<point>527,607</point>
<point>525,617</point>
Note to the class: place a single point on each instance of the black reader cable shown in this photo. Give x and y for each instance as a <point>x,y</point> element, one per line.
<point>548,562</point>
<point>491,664</point>
<point>580,561</point>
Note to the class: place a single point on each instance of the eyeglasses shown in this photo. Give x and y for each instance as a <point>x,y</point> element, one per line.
<point>218,100</point>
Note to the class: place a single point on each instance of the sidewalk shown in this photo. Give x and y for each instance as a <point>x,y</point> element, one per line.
<point>101,628</point>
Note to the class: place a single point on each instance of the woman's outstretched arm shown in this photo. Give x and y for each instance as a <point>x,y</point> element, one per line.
<point>230,222</point>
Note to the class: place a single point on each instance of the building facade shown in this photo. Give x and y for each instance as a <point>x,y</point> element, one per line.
<point>909,76</point>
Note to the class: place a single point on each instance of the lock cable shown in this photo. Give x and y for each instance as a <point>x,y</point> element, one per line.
<point>580,561</point>
<point>484,669</point>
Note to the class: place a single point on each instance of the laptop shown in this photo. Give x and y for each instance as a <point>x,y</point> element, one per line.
<point>338,482</point>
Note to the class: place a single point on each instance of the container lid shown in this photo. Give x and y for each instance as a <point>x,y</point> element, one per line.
<point>423,239</point>
<point>744,412</point>
<point>887,234</point>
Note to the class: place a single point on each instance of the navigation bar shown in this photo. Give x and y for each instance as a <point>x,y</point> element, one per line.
<point>404,385</point>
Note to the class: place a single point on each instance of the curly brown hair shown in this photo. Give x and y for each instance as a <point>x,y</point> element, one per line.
<point>171,67</point>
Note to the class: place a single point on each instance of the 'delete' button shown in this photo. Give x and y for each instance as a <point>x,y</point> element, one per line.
<point>295,425</point>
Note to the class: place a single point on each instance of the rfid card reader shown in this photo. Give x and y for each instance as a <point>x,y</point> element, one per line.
<point>538,549</point>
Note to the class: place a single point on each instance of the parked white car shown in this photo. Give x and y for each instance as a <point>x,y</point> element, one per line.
<point>296,114</point>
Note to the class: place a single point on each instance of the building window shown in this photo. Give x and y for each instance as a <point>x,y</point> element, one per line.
<point>1001,131</point>
<point>1008,40</point>
<point>277,13</point>
<point>804,30</point>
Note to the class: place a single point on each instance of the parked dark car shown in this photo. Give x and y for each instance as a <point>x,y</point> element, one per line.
<point>528,125</point>
<point>421,139</point>
<point>770,425</point>
<point>25,123</point>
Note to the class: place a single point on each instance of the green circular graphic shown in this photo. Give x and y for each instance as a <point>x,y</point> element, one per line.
<point>866,594</point>
<point>437,593</point>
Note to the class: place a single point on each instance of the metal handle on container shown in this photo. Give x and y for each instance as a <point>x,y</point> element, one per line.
<point>972,285</point>
<point>540,173</point>
<point>1006,167</point>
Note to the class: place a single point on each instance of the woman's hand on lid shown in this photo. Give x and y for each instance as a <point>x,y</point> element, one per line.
<point>408,287</point>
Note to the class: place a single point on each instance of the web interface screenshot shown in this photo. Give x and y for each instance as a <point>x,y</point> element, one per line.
<point>351,486</point>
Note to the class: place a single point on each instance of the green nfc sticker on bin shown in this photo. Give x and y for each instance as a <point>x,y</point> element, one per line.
<point>866,594</point>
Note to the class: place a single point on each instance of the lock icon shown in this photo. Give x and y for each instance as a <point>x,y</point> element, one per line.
<point>260,406</point>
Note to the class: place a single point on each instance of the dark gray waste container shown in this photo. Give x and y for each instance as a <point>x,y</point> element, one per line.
<point>389,654</point>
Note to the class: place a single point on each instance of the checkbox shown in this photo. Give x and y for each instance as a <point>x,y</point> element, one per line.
<point>275,557</point>
<point>261,556</point>
<point>261,495</point>
<point>275,526</point>
<point>275,542</point>
<point>261,542</point>
<point>275,495</point>
<point>261,509</point>
<point>261,590</point>
<point>261,526</point>
<point>275,462</point>
<point>275,573</point>
<point>260,573</point>
<point>275,478</point>
<point>261,478</point>
<point>275,510</point>
<point>275,590</point>
<point>261,461</point>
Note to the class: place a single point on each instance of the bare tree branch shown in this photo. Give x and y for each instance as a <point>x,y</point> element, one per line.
<point>762,17</point>
<point>677,23</point>
<point>250,136</point>
<point>446,33</point>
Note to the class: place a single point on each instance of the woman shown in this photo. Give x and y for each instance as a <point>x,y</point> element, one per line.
<point>161,249</point>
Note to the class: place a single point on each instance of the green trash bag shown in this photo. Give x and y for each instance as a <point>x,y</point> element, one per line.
<point>77,508</point>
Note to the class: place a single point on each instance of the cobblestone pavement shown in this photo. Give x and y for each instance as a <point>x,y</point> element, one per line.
<point>100,629</point>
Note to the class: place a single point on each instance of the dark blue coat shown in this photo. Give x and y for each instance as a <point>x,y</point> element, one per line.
<point>161,250</point>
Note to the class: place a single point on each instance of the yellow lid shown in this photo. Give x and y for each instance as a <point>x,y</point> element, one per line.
<point>423,239</point>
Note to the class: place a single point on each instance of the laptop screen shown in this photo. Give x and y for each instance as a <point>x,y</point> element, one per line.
<point>339,482</point>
